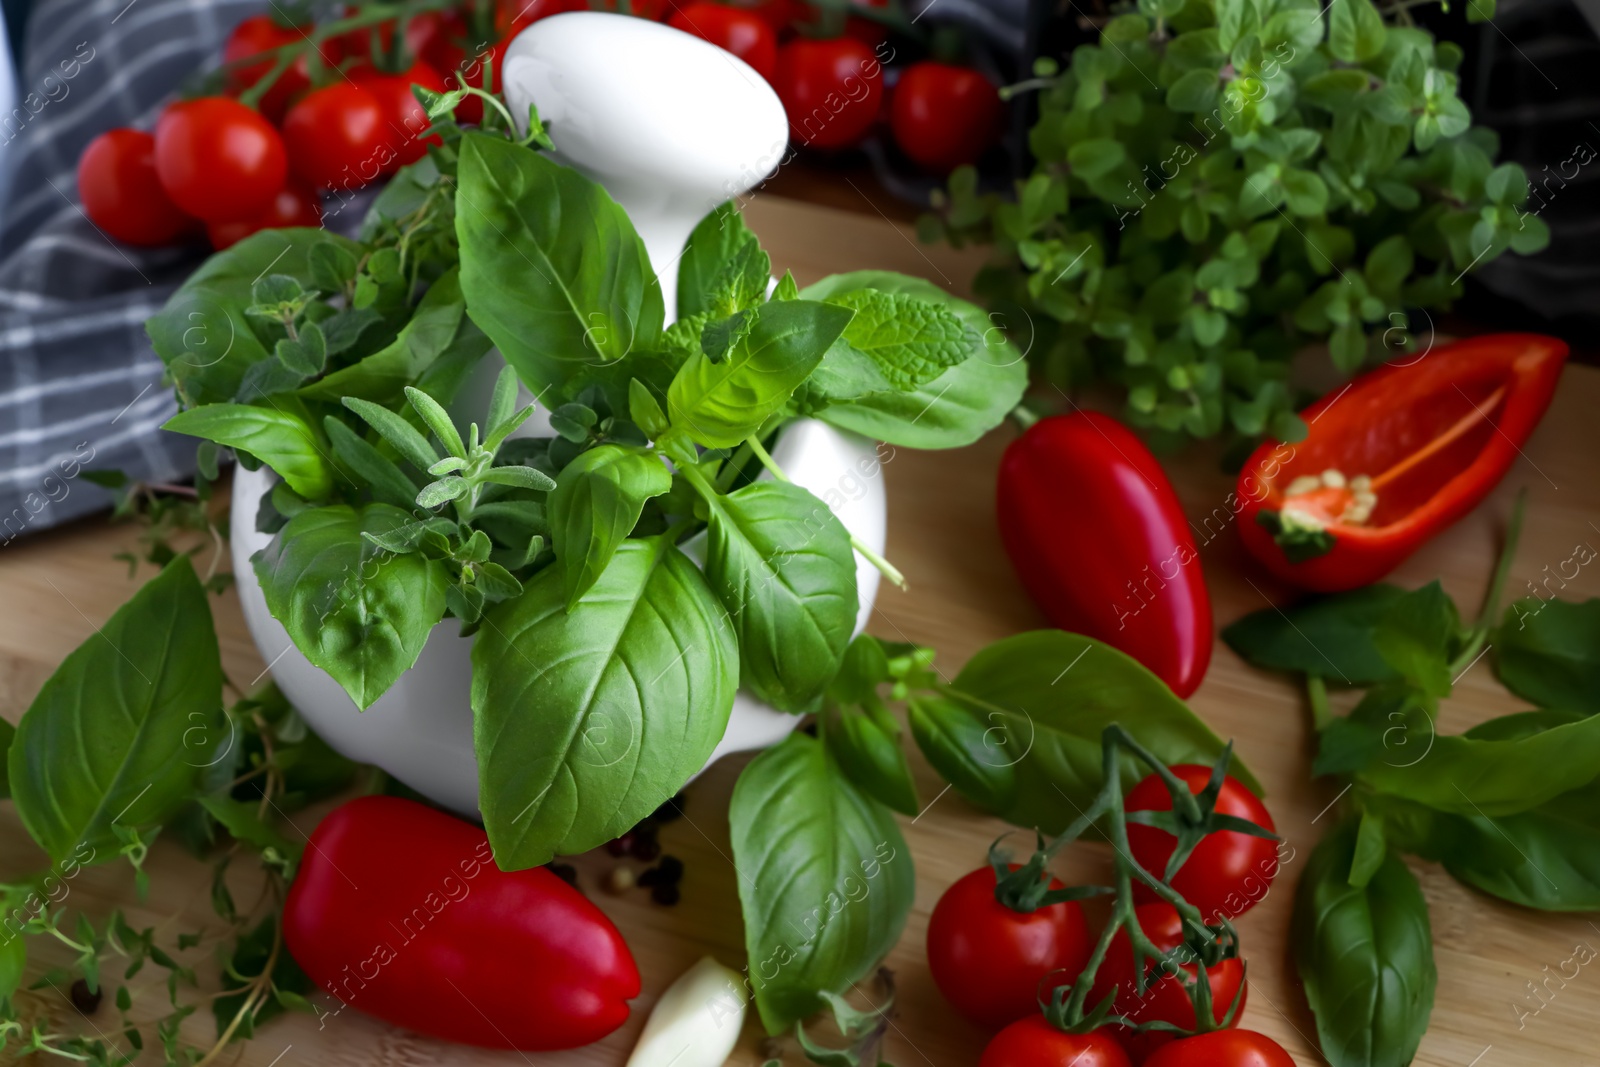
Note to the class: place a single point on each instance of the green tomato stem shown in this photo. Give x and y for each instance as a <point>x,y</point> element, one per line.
<point>867,552</point>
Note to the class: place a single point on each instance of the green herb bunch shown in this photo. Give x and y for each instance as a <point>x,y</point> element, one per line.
<point>1218,183</point>
<point>1510,807</point>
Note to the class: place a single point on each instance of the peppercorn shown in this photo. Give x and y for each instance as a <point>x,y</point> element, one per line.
<point>618,880</point>
<point>645,844</point>
<point>669,811</point>
<point>621,846</point>
<point>670,870</point>
<point>84,1000</point>
<point>665,894</point>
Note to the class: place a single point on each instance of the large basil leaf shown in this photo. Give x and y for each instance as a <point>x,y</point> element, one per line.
<point>1365,956</point>
<point>1546,858</point>
<point>721,402</point>
<point>280,439</point>
<point>203,335</point>
<point>357,611</point>
<point>1329,636</point>
<point>122,732</point>
<point>13,957</point>
<point>716,240</point>
<point>1040,701</point>
<point>595,505</point>
<point>1482,774</point>
<point>7,734</point>
<point>1548,651</point>
<point>956,408</point>
<point>430,333</point>
<point>586,722</point>
<point>552,268</point>
<point>1416,634</point>
<point>962,749</point>
<point>782,564</point>
<point>825,878</point>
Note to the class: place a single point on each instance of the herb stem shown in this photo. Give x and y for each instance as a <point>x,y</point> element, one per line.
<point>867,552</point>
<point>1317,693</point>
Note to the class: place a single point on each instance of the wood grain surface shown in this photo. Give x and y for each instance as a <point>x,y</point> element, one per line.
<point>56,588</point>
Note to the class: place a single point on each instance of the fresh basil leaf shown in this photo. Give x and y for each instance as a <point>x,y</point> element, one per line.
<point>269,377</point>
<point>121,733</point>
<point>868,751</point>
<point>1364,954</point>
<point>964,750</point>
<point>278,438</point>
<point>203,334</point>
<point>384,374</point>
<point>13,958</point>
<point>1548,651</point>
<point>1372,846</point>
<point>353,609</point>
<point>552,268</point>
<point>1329,636</point>
<point>1415,636</point>
<point>781,563</point>
<point>7,734</point>
<point>1485,774</point>
<point>962,404</point>
<point>715,241</point>
<point>597,502</point>
<point>741,283</point>
<point>243,820</point>
<point>720,403</point>
<point>825,878</point>
<point>587,721</point>
<point>1040,702</point>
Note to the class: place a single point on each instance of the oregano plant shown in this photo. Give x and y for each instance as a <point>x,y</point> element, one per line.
<point>1218,183</point>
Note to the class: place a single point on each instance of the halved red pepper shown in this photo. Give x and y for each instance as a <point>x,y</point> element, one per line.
<point>1393,458</point>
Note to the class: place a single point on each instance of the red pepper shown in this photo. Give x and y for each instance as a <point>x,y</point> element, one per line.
<point>1095,532</point>
<point>1393,458</point>
<point>399,911</point>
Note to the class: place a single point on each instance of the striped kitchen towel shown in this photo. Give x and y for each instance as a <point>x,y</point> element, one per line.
<point>80,387</point>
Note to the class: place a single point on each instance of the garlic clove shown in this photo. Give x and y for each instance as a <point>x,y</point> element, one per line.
<point>696,1022</point>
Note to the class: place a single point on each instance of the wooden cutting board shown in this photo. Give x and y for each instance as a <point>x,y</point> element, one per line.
<point>57,587</point>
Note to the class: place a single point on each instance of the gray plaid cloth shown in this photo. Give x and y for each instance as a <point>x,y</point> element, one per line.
<point>80,387</point>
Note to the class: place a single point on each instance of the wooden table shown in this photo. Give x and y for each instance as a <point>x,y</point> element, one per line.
<point>57,587</point>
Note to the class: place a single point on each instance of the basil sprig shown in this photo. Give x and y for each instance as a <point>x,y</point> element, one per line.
<point>1507,807</point>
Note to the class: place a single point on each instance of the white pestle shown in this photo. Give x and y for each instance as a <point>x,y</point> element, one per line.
<point>670,124</point>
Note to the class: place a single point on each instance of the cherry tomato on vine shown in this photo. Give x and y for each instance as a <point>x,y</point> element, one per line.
<point>781,15</point>
<point>1223,1048</point>
<point>219,160</point>
<point>988,959</point>
<point>821,22</point>
<point>1033,1042</point>
<point>1165,1000</point>
<point>295,205</point>
<point>338,136</point>
<point>403,116</point>
<point>830,90</point>
<point>122,194</point>
<point>1228,871</point>
<point>261,33</point>
<point>944,116</point>
<point>743,33</point>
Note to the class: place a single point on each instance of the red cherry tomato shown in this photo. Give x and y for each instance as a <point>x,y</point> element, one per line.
<point>829,89</point>
<point>988,960</point>
<point>781,15</point>
<point>944,116</point>
<point>743,33</point>
<point>1165,1000</point>
<point>259,34</point>
<point>404,118</point>
<point>219,160</point>
<point>1223,1048</point>
<point>1033,1042</point>
<point>447,943</point>
<point>122,194</point>
<point>472,72</point>
<point>1228,871</point>
<point>514,16</point>
<point>338,136</point>
<point>295,205</point>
